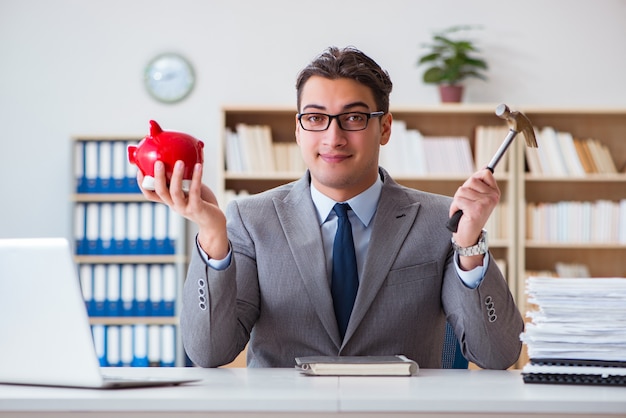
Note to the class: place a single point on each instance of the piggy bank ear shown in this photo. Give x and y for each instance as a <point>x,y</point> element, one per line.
<point>155,129</point>
<point>132,152</point>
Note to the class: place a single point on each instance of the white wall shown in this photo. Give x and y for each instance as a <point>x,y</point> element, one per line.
<point>71,67</point>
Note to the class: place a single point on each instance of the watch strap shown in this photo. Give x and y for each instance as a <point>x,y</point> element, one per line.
<point>479,249</point>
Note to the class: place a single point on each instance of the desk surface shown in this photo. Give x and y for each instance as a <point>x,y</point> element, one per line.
<point>267,392</point>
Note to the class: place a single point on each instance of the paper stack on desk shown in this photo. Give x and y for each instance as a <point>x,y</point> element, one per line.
<point>577,332</point>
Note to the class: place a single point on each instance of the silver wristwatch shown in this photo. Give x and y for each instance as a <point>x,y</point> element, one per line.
<point>480,248</point>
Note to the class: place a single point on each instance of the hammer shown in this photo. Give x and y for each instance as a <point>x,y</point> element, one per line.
<point>518,122</point>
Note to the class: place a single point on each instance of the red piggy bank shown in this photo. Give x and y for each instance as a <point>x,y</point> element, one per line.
<point>168,147</point>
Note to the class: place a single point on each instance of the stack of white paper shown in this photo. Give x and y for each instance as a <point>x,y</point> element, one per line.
<point>576,318</point>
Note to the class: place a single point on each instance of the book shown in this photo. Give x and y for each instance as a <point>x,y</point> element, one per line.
<point>398,365</point>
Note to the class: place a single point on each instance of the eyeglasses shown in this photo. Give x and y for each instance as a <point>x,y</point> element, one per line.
<point>349,121</point>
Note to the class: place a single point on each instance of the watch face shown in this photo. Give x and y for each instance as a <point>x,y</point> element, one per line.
<point>169,78</point>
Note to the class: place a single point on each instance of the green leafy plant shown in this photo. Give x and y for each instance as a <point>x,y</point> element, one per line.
<point>451,61</point>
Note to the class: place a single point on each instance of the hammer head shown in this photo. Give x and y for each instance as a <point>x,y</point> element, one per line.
<point>519,123</point>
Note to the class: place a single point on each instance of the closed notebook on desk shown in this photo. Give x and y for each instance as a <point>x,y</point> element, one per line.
<point>44,327</point>
<point>357,366</point>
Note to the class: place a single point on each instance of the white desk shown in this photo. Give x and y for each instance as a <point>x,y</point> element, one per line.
<point>285,392</point>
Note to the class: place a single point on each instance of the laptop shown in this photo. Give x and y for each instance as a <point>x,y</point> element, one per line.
<point>44,326</point>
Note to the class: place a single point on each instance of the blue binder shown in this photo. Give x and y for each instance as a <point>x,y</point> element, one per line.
<point>140,346</point>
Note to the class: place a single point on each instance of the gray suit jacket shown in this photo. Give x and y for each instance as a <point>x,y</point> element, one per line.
<point>276,292</point>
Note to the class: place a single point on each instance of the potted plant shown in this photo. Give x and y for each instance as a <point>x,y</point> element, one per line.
<point>450,61</point>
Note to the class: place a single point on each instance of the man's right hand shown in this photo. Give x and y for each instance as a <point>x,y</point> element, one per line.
<point>198,206</point>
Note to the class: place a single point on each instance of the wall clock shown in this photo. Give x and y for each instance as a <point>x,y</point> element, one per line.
<point>169,77</point>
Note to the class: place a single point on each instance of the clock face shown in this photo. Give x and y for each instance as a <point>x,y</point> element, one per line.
<point>169,78</point>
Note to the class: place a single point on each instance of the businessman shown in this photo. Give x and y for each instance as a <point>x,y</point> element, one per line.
<point>268,272</point>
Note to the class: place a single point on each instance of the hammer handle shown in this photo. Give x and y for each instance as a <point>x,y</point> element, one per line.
<point>505,145</point>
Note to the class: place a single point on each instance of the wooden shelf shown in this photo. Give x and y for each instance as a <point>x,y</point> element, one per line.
<point>130,259</point>
<point>89,264</point>
<point>133,320</point>
<point>108,197</point>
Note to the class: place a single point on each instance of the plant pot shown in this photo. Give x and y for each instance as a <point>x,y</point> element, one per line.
<point>451,93</point>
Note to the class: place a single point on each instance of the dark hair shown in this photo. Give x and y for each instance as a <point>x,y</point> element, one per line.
<point>350,63</point>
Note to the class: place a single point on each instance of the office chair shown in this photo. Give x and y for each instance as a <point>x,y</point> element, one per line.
<point>452,357</point>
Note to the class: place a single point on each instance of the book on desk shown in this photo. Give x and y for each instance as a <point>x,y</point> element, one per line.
<point>357,365</point>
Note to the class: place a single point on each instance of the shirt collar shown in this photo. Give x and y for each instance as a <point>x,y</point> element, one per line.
<point>364,204</point>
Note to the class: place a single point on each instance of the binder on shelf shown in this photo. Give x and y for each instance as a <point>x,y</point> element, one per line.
<point>156,290</point>
<point>113,346</point>
<point>127,290</point>
<point>99,289</point>
<point>141,290</point>
<point>105,167</point>
<point>168,346</point>
<point>91,167</point>
<point>99,339</point>
<point>79,167</point>
<point>113,290</point>
<point>146,228</point>
<point>119,228</point>
<point>154,345</point>
<point>140,346</point>
<point>173,231</point>
<point>92,228</point>
<point>126,345</point>
<point>169,290</point>
<point>86,286</point>
<point>118,168</point>
<point>132,228</point>
<point>160,229</point>
<point>106,229</point>
<point>80,226</point>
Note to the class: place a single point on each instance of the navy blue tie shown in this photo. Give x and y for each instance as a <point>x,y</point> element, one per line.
<point>345,278</point>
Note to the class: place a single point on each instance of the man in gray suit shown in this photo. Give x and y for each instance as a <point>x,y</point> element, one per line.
<point>262,273</point>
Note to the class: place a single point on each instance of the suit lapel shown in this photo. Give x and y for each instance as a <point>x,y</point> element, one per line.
<point>392,222</point>
<point>298,218</point>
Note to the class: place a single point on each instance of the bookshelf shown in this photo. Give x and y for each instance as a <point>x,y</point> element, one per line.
<point>445,121</point>
<point>519,187</point>
<point>130,255</point>
<point>604,255</point>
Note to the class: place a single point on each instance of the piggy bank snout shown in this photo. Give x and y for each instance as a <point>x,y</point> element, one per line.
<point>132,154</point>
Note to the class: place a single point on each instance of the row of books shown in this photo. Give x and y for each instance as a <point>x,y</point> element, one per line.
<point>129,289</point>
<point>560,154</point>
<point>408,152</point>
<point>601,221</point>
<point>114,228</point>
<point>138,345</point>
<point>250,149</point>
<point>562,269</point>
<point>103,167</point>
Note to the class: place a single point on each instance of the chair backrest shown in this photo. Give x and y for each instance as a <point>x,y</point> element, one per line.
<point>452,357</point>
